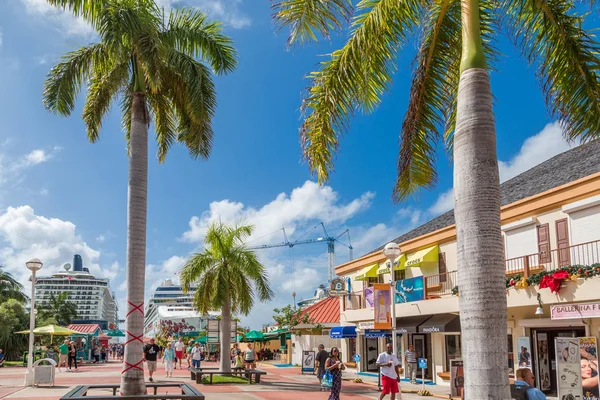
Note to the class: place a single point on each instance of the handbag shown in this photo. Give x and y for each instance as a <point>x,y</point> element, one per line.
<point>327,380</point>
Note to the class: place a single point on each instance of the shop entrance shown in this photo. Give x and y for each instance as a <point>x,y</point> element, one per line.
<point>545,355</point>
<point>422,346</point>
<point>371,345</point>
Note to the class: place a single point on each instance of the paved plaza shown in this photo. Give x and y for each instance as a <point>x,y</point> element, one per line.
<point>279,383</point>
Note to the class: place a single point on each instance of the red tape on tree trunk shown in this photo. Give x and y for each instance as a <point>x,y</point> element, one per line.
<point>135,308</point>
<point>132,366</point>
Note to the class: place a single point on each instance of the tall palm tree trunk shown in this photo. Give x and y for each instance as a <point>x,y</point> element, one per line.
<point>225,335</point>
<point>132,377</point>
<point>481,279</point>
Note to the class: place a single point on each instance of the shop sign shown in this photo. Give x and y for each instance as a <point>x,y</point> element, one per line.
<point>524,355</point>
<point>308,361</point>
<point>588,353</point>
<point>383,306</point>
<point>575,311</point>
<point>337,287</point>
<point>377,333</point>
<point>568,368</point>
<point>457,377</point>
<point>366,325</point>
<point>409,290</point>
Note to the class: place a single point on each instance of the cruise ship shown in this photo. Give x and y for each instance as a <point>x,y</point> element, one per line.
<point>170,295</point>
<point>92,296</point>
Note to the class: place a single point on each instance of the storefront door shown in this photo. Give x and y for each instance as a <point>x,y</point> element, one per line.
<point>545,356</point>
<point>372,353</point>
<point>419,342</point>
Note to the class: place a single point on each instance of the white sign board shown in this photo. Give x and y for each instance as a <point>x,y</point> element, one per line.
<point>568,368</point>
<point>575,311</point>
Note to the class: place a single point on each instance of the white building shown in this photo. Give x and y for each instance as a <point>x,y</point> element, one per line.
<point>91,295</point>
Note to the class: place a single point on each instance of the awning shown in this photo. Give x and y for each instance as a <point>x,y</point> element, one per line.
<point>441,323</point>
<point>410,324</point>
<point>367,272</point>
<point>422,256</point>
<point>384,268</point>
<point>379,333</point>
<point>340,332</point>
<point>400,262</point>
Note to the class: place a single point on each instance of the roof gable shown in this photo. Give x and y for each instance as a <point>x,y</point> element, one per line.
<point>324,311</point>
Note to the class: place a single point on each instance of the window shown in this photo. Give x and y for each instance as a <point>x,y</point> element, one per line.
<point>351,349</point>
<point>511,361</point>
<point>399,274</point>
<point>371,281</point>
<point>521,241</point>
<point>453,349</point>
<point>442,267</point>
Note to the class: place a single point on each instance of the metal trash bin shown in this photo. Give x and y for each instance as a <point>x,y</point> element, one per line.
<point>44,374</point>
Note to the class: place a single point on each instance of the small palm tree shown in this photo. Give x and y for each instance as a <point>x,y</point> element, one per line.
<point>161,71</point>
<point>450,100</point>
<point>59,309</point>
<point>228,277</point>
<point>10,288</point>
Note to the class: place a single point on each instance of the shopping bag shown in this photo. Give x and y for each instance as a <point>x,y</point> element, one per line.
<point>327,380</point>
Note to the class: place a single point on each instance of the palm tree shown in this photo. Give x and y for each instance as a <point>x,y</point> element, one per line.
<point>59,308</point>
<point>450,99</point>
<point>162,72</point>
<point>10,288</point>
<point>228,277</point>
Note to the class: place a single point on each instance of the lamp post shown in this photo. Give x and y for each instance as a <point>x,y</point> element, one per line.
<point>392,251</point>
<point>33,265</point>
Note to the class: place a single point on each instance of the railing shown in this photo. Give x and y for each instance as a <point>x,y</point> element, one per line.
<point>579,254</point>
<point>354,301</point>
<point>440,285</point>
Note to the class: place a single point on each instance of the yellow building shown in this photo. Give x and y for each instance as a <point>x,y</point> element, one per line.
<point>550,221</point>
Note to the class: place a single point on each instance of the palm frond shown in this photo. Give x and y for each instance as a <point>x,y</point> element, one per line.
<point>190,32</point>
<point>354,78</point>
<point>308,18</point>
<point>103,87</point>
<point>65,79</point>
<point>551,36</point>
<point>126,96</point>
<point>89,10</point>
<point>162,111</point>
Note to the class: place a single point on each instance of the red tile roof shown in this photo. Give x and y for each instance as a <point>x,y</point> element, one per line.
<point>85,328</point>
<point>325,311</point>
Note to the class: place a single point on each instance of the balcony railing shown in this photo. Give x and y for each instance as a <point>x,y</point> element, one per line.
<point>440,285</point>
<point>579,254</point>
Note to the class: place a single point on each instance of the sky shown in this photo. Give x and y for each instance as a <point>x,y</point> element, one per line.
<point>60,194</point>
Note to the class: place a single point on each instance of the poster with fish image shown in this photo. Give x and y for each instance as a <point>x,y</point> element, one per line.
<point>588,359</point>
<point>568,368</point>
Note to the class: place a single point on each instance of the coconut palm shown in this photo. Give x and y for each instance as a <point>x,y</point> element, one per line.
<point>228,277</point>
<point>10,288</point>
<point>450,99</point>
<point>58,309</point>
<point>161,70</point>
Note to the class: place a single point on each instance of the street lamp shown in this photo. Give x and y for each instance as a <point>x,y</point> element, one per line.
<point>33,265</point>
<point>392,251</point>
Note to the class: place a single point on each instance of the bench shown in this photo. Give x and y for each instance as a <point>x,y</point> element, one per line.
<point>194,371</point>
<point>246,373</point>
<point>188,392</point>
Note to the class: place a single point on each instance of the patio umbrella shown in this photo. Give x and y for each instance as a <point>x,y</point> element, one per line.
<point>52,330</point>
<point>254,336</point>
<point>114,333</point>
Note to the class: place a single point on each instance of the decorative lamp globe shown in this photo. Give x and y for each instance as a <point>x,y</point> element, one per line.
<point>34,264</point>
<point>391,250</point>
<point>539,311</point>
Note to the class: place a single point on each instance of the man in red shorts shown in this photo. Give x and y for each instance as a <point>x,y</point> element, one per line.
<point>389,364</point>
<point>179,350</point>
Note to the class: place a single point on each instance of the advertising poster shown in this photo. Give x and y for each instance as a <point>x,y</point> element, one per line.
<point>308,361</point>
<point>543,362</point>
<point>383,306</point>
<point>411,289</point>
<point>524,354</point>
<point>369,296</point>
<point>568,368</point>
<point>588,359</point>
<point>457,377</point>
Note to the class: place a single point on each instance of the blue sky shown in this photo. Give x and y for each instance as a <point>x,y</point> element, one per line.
<point>60,194</point>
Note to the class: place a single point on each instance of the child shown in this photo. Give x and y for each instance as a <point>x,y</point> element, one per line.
<point>169,358</point>
<point>238,360</point>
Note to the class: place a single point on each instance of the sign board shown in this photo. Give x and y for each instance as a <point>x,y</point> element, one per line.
<point>383,306</point>
<point>369,296</point>
<point>308,361</point>
<point>588,353</point>
<point>543,374</point>
<point>457,377</point>
<point>357,358</point>
<point>409,290</point>
<point>575,311</point>
<point>524,352</point>
<point>213,331</point>
<point>568,368</point>
<point>337,287</point>
<point>366,325</point>
<point>422,363</point>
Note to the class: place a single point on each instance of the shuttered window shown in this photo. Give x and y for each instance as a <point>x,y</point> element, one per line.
<point>521,241</point>
<point>562,242</point>
<point>543,234</point>
<point>442,267</point>
<point>585,225</point>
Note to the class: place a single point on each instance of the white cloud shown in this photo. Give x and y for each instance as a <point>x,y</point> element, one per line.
<point>535,150</point>
<point>36,157</point>
<point>310,202</point>
<point>26,235</point>
<point>226,11</point>
<point>100,238</point>
<point>108,272</point>
<point>64,21</point>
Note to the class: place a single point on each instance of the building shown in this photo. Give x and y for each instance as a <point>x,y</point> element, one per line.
<point>92,296</point>
<point>172,297</point>
<point>550,219</point>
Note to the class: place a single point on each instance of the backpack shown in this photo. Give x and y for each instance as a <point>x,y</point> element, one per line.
<point>519,392</point>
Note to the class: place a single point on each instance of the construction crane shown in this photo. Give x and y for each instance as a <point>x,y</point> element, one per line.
<point>330,240</point>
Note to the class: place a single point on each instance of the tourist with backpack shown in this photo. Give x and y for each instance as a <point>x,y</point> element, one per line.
<point>523,388</point>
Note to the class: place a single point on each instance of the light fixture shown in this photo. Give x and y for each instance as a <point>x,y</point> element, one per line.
<point>34,264</point>
<point>539,310</point>
<point>392,251</point>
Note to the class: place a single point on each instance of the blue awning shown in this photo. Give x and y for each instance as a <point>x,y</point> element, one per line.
<point>340,332</point>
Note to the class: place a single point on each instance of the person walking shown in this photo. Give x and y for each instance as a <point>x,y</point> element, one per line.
<point>523,388</point>
<point>72,357</point>
<point>250,357</point>
<point>151,352</point>
<point>169,359</point>
<point>63,354</point>
<point>410,359</point>
<point>321,359</point>
<point>179,349</point>
<point>335,366</point>
<point>188,353</point>
<point>390,374</point>
<point>196,356</point>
